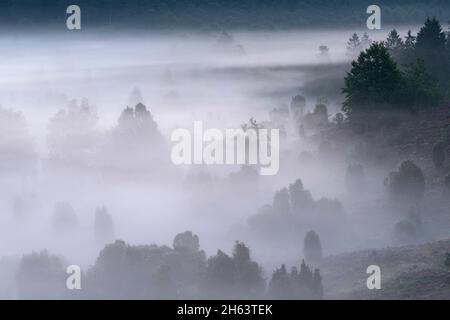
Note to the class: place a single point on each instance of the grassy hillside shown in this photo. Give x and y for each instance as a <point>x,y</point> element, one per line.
<point>412,272</point>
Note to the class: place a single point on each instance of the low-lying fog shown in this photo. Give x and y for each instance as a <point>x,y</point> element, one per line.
<point>182,77</point>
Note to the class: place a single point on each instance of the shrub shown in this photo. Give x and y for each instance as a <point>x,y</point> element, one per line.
<point>186,241</point>
<point>408,183</point>
<point>312,250</point>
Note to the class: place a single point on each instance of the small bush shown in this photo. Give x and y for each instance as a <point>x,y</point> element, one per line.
<point>408,183</point>
<point>312,249</point>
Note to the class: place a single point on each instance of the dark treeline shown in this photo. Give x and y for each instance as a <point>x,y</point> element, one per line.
<point>170,14</point>
<point>124,271</point>
<point>402,73</point>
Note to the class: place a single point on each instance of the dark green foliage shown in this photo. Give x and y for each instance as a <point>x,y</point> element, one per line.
<point>439,154</point>
<point>421,89</point>
<point>394,43</point>
<point>431,48</point>
<point>431,38</point>
<point>373,82</point>
<point>408,183</point>
<point>399,75</point>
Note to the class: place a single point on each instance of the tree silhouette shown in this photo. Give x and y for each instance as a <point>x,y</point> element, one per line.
<point>41,276</point>
<point>301,199</point>
<point>250,280</point>
<point>408,183</point>
<point>280,284</point>
<point>431,37</point>
<point>394,43</point>
<point>354,46</point>
<point>72,132</point>
<point>186,241</point>
<point>221,276</point>
<point>103,225</point>
<point>312,249</point>
<point>281,202</point>
<point>430,46</point>
<point>373,81</point>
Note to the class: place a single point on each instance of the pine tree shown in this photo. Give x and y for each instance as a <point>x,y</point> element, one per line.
<point>394,43</point>
<point>365,41</point>
<point>317,285</point>
<point>410,41</point>
<point>280,286</point>
<point>249,273</point>
<point>354,46</point>
<point>431,47</point>
<point>431,37</point>
<point>373,82</point>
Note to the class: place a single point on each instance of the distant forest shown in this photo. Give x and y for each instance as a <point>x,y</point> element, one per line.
<point>217,14</point>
